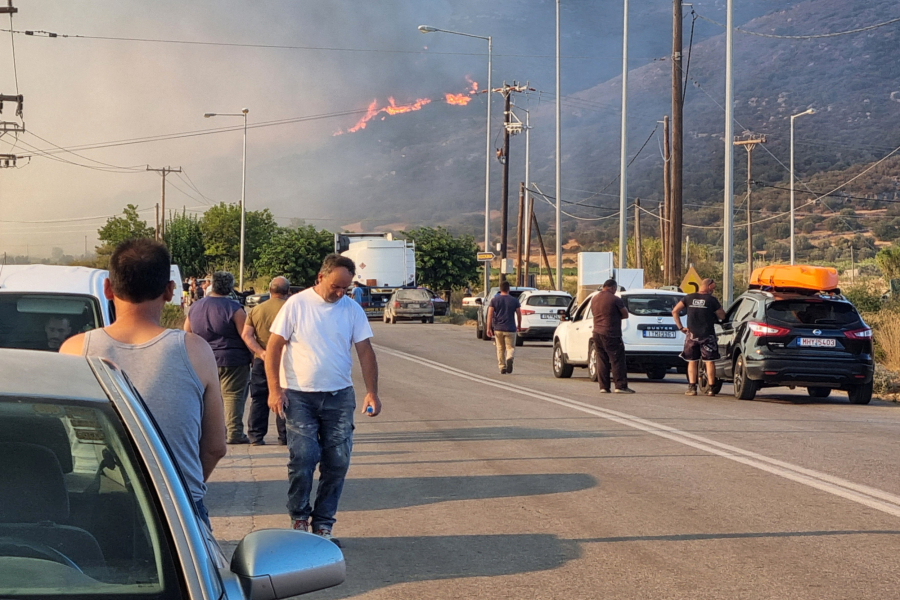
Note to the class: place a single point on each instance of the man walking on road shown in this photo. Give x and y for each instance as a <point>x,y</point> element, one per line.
<point>174,371</point>
<point>609,310</point>
<point>256,336</point>
<point>700,342</point>
<point>504,319</point>
<point>308,366</point>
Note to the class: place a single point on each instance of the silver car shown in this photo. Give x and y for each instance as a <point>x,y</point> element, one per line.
<point>411,304</point>
<point>93,505</point>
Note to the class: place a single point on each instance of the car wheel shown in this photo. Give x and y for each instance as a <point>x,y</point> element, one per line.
<point>424,320</point>
<point>520,341</point>
<point>818,392</point>
<point>561,368</point>
<point>744,387</point>
<point>657,373</point>
<point>860,394</point>
<point>431,319</point>
<point>593,362</point>
<point>703,383</point>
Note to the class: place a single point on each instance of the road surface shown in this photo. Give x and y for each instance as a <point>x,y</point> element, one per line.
<point>473,484</point>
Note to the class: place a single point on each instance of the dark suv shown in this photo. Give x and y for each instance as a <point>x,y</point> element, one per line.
<point>812,340</point>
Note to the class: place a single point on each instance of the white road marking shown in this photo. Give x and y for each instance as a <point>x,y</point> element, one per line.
<point>862,494</point>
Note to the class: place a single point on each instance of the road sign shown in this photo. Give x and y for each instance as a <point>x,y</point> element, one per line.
<point>485,256</point>
<point>691,282</point>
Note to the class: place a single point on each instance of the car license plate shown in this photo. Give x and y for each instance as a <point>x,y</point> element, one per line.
<point>817,342</point>
<point>659,334</point>
<point>554,317</point>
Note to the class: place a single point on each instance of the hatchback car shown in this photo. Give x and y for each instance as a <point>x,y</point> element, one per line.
<point>410,304</point>
<point>540,314</point>
<point>92,504</point>
<point>814,340</point>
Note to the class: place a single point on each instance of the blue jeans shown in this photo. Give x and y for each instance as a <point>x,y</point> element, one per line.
<point>319,432</point>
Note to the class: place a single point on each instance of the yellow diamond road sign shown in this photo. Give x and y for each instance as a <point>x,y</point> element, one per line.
<point>691,282</point>
<point>485,256</point>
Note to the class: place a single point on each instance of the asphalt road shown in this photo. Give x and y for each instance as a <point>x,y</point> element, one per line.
<point>473,484</point>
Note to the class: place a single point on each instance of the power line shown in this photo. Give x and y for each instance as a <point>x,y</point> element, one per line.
<point>12,40</point>
<point>805,37</point>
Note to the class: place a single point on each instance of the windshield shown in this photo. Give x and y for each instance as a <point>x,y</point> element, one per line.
<point>812,312</point>
<point>413,295</point>
<point>554,301</point>
<point>76,517</point>
<point>650,305</point>
<point>44,321</point>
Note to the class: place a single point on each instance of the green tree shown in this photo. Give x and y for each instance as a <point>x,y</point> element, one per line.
<point>888,261</point>
<point>221,228</point>
<point>295,253</point>
<point>444,262</point>
<point>127,227</point>
<point>185,242</point>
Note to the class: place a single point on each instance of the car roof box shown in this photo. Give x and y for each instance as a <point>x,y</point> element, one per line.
<point>795,278</point>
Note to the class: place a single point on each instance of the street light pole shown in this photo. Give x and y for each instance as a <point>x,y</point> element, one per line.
<point>243,114</point>
<point>728,217</point>
<point>623,151</point>
<point>487,147</point>
<point>559,277</point>
<point>808,111</point>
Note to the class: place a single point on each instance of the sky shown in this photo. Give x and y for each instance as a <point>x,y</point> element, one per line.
<point>345,54</point>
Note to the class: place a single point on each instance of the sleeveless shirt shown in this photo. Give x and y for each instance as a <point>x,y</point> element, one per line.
<point>163,375</point>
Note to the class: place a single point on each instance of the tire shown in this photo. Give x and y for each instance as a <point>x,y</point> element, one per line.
<point>703,383</point>
<point>744,387</point>
<point>860,394</point>
<point>561,368</point>
<point>520,341</point>
<point>657,373</point>
<point>431,319</point>
<point>425,320</point>
<point>818,392</point>
<point>593,362</point>
<point>479,332</point>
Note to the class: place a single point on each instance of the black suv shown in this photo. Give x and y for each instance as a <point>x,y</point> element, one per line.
<point>812,340</point>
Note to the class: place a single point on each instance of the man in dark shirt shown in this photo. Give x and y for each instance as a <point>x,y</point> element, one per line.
<point>504,319</point>
<point>703,312</point>
<point>609,310</point>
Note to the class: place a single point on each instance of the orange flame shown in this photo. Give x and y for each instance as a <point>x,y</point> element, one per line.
<point>458,99</point>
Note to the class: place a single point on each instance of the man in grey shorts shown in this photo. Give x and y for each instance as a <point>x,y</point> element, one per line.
<point>174,371</point>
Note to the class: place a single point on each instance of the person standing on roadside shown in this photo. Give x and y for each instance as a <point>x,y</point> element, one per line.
<point>609,310</point>
<point>504,319</point>
<point>174,371</point>
<point>220,320</point>
<point>256,336</point>
<point>357,293</point>
<point>308,366</point>
<point>700,341</point>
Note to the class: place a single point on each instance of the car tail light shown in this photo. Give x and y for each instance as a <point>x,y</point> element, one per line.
<point>365,304</point>
<point>396,304</point>
<point>526,311</point>
<point>859,334</point>
<point>763,330</point>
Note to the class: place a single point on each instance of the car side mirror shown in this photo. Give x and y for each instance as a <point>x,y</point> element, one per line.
<point>280,563</point>
<point>718,328</point>
<point>479,301</point>
<point>563,314</point>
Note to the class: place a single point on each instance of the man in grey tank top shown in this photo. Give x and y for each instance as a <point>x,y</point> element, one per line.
<point>174,371</point>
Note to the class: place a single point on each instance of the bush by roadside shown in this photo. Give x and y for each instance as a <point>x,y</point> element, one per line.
<point>172,317</point>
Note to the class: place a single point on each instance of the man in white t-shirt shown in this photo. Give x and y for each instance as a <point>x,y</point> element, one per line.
<point>308,365</point>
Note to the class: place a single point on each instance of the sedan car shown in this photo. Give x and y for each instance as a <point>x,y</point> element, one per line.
<point>409,304</point>
<point>540,314</point>
<point>92,504</point>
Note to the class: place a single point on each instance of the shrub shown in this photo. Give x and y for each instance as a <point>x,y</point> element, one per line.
<point>172,317</point>
<point>864,298</point>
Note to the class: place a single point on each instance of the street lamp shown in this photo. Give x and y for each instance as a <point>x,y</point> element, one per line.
<point>808,111</point>
<point>487,148</point>
<point>243,113</point>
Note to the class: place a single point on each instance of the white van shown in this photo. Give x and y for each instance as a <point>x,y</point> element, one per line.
<point>178,296</point>
<point>43,305</point>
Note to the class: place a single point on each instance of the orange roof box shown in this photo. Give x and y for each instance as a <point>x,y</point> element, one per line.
<point>795,276</point>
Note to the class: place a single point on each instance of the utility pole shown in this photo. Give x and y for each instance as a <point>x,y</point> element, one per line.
<point>749,144</point>
<point>638,263</point>
<point>156,237</point>
<point>665,222</point>
<point>537,229</point>
<point>164,171</point>
<point>623,149</point>
<point>674,212</point>
<point>509,128</point>
<point>519,230</point>
<point>728,218</point>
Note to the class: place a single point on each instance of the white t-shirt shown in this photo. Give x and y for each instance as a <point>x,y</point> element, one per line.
<point>320,336</point>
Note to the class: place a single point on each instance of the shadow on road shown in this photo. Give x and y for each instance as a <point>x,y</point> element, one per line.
<point>245,498</point>
<point>478,434</point>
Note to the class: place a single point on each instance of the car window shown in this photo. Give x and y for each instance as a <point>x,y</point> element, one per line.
<point>744,310</point>
<point>416,295</point>
<point>812,312</point>
<point>76,515</point>
<point>651,305</point>
<point>44,321</point>
<point>543,300</point>
<point>579,314</point>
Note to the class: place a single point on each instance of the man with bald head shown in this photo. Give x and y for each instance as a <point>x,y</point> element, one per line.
<point>700,342</point>
<point>256,336</point>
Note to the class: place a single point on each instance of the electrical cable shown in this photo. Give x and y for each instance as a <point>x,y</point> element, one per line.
<point>805,37</point>
<point>12,39</point>
<point>135,168</point>
<point>687,68</point>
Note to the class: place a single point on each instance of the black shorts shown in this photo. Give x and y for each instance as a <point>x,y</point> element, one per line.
<point>705,348</point>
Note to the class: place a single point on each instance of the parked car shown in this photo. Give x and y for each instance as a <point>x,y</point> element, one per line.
<point>540,314</point>
<point>814,340</point>
<point>175,275</point>
<point>483,308</point>
<point>410,304</point>
<point>652,342</point>
<point>472,301</point>
<point>254,299</point>
<point>42,305</point>
<point>93,504</point>
<point>440,305</point>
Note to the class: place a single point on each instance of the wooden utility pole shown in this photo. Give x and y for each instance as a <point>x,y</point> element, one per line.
<point>677,162</point>
<point>519,229</point>
<point>638,263</point>
<point>665,226</point>
<point>537,228</point>
<point>509,128</point>
<point>164,171</point>
<point>749,144</point>
<point>157,222</point>
<point>528,219</point>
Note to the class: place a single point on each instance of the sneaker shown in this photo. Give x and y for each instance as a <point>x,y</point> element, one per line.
<point>692,390</point>
<point>624,390</point>
<point>300,525</point>
<point>604,391</point>
<point>258,442</point>
<point>326,533</point>
<point>509,366</point>
<point>282,442</point>
<point>240,440</point>
<point>503,370</point>
<point>710,392</point>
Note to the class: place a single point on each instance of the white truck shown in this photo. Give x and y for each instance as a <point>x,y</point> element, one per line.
<point>383,264</point>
